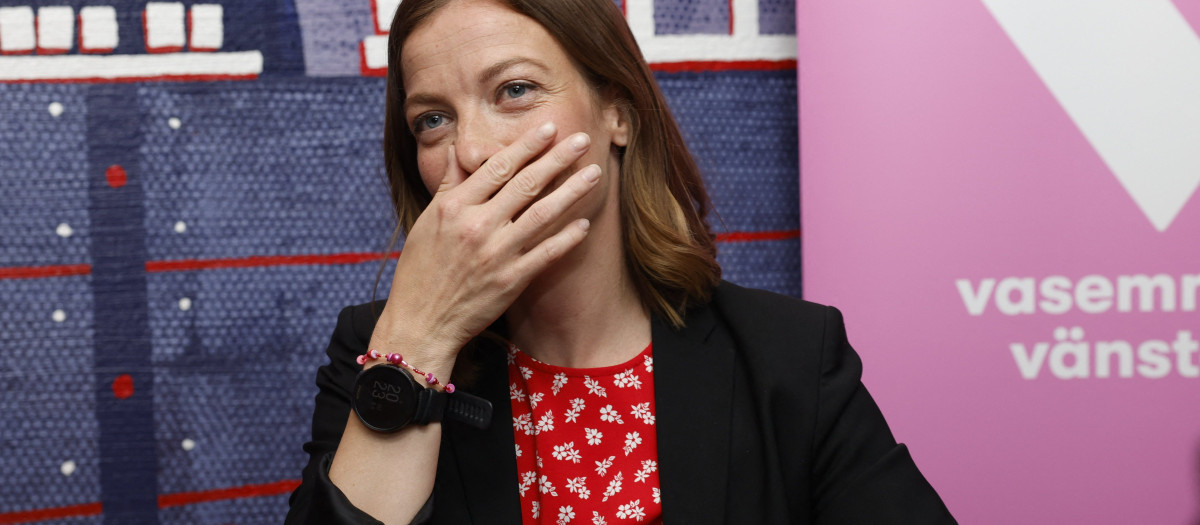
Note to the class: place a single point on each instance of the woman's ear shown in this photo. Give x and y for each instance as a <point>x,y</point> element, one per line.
<point>616,120</point>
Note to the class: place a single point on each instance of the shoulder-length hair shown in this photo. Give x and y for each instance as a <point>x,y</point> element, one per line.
<point>669,246</point>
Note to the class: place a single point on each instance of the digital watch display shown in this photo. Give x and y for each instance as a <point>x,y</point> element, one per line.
<point>387,398</point>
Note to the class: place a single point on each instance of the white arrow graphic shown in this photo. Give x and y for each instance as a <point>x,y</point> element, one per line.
<point>1127,72</point>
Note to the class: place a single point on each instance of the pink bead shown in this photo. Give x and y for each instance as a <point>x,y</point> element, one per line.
<point>373,353</point>
<point>362,359</point>
<point>449,388</point>
<point>395,359</point>
<point>430,379</point>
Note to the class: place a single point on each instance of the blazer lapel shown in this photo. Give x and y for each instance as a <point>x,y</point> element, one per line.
<point>486,464</point>
<point>693,391</point>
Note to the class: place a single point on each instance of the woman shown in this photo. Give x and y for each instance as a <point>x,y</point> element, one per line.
<point>549,202</point>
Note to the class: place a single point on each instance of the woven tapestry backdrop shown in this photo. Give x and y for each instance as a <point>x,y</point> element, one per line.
<point>191,191</point>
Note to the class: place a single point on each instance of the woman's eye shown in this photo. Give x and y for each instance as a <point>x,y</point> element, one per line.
<point>516,90</point>
<point>427,122</point>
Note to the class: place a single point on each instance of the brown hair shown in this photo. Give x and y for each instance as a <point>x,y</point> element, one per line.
<point>669,247</point>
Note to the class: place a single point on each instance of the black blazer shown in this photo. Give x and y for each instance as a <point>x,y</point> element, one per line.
<point>760,413</point>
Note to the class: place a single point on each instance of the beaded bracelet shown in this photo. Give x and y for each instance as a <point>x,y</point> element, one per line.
<point>397,359</point>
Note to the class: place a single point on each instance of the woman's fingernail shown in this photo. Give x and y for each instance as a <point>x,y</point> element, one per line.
<point>546,131</point>
<point>591,173</point>
<point>580,141</point>
<point>583,224</point>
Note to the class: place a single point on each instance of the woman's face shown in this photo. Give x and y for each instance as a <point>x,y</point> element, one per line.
<point>477,75</point>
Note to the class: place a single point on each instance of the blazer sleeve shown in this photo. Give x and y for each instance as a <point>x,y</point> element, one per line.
<point>860,474</point>
<point>317,500</point>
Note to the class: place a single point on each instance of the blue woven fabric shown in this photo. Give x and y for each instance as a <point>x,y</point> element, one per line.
<point>161,323</point>
<point>681,17</point>
<point>42,175</point>
<point>278,166</point>
<point>47,410</point>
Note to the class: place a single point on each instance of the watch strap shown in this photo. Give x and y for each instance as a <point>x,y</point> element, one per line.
<point>435,405</point>
<point>468,409</point>
<point>431,405</point>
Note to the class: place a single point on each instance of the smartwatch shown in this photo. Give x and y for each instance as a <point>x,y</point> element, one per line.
<point>387,398</point>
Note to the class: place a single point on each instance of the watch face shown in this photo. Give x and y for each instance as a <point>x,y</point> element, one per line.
<point>385,398</point>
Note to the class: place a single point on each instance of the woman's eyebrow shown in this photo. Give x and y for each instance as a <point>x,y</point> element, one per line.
<point>427,99</point>
<point>485,77</point>
<point>498,68</point>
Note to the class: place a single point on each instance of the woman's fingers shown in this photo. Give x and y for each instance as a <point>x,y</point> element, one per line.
<point>464,263</point>
<point>552,249</point>
<point>549,208</point>
<point>501,167</point>
<point>528,183</point>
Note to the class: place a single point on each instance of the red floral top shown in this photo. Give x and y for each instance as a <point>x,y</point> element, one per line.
<point>586,447</point>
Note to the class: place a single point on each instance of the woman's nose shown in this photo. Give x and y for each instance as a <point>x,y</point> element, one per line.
<point>475,143</point>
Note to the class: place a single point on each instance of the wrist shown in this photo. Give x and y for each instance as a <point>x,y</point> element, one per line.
<point>427,354</point>
<point>374,357</point>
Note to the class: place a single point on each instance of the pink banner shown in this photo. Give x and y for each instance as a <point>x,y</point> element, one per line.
<point>1001,197</point>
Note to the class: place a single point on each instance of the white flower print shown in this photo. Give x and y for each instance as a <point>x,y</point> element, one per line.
<point>602,466</point>
<point>607,413</point>
<point>657,495</point>
<point>642,411</point>
<point>525,372</point>
<point>511,355</point>
<point>545,423</point>
<point>648,466</point>
<point>593,435</point>
<point>573,413</point>
<point>527,480</point>
<point>579,486</point>
<point>534,399</point>
<point>594,387</point>
<point>518,451</point>
<point>537,509</point>
<point>597,519</point>
<point>614,486</point>
<point>632,440</point>
<point>565,515</point>
<point>524,423</point>
<point>649,362</point>
<point>515,392</point>
<point>566,452</point>
<point>574,485</point>
<point>560,379</point>
<point>537,458</point>
<point>627,379</point>
<point>546,487</point>
<point>631,511</point>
